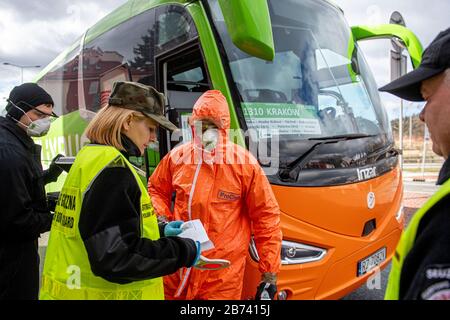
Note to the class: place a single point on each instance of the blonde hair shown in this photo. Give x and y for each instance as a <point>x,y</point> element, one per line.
<point>106,127</point>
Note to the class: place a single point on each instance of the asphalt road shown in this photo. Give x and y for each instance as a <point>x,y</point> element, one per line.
<point>372,290</point>
<point>420,187</point>
<point>419,165</point>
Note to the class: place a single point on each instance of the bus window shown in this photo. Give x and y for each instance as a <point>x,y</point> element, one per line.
<point>318,86</point>
<point>186,80</point>
<point>174,27</point>
<point>124,53</point>
<point>181,68</point>
<point>62,84</point>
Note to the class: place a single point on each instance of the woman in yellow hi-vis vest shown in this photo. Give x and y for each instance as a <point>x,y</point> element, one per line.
<point>105,241</point>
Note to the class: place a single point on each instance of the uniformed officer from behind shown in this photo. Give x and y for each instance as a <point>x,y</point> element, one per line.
<point>421,265</point>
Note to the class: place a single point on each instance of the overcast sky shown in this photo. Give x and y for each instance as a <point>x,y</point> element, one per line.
<point>34,32</point>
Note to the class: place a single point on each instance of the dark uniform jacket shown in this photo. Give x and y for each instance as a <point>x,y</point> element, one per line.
<point>426,269</point>
<point>24,214</point>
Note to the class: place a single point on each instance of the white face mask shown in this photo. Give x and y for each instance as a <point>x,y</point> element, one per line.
<point>210,138</point>
<point>36,128</point>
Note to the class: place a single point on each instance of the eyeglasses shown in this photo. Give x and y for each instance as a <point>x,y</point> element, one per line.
<point>205,125</point>
<point>208,126</point>
<point>40,114</point>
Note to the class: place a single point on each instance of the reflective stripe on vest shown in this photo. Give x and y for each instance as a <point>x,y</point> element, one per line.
<point>67,271</point>
<point>407,241</point>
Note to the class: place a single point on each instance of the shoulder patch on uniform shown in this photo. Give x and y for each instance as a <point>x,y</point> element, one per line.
<point>441,271</point>
<point>437,291</point>
<point>438,279</point>
<point>118,162</point>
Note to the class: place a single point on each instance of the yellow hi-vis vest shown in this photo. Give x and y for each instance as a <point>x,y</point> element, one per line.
<point>407,241</point>
<point>67,272</point>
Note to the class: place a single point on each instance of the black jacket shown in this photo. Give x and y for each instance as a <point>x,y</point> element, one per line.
<point>110,227</point>
<point>24,213</point>
<point>426,270</point>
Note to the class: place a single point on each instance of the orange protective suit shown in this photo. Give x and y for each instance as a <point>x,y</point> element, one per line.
<point>230,195</point>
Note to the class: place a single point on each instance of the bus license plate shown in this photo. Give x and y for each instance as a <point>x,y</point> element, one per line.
<point>371,262</point>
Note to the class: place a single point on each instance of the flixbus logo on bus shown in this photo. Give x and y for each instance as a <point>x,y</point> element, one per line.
<point>368,173</point>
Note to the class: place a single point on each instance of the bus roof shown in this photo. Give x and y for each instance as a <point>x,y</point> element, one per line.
<point>126,11</point>
<point>334,4</point>
<point>133,8</point>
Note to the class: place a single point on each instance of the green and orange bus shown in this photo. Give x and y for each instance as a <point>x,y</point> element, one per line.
<point>292,72</point>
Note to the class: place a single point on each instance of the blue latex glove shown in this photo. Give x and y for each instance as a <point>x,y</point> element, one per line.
<point>173,228</point>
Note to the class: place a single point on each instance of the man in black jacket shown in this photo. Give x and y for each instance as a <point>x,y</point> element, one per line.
<point>421,265</point>
<point>24,212</point>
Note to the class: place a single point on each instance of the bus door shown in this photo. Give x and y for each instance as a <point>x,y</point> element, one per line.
<point>182,76</point>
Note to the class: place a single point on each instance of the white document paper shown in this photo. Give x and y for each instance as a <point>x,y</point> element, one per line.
<point>194,230</point>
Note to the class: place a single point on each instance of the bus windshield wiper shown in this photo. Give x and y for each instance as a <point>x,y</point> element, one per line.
<point>292,169</point>
<point>342,137</point>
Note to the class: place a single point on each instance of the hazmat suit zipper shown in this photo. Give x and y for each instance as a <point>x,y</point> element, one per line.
<point>191,196</point>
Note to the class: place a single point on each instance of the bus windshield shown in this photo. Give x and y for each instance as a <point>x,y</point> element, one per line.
<point>317,86</point>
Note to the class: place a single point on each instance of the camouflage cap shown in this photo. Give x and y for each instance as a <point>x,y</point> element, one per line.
<point>139,97</point>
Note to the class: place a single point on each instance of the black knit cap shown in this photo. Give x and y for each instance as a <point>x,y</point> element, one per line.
<point>27,96</point>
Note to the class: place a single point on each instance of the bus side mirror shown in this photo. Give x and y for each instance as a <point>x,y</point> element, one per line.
<point>402,35</point>
<point>249,29</point>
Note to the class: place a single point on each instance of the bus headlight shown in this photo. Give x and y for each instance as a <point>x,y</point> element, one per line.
<point>293,252</point>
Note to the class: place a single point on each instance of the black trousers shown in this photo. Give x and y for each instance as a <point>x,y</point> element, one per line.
<point>19,271</point>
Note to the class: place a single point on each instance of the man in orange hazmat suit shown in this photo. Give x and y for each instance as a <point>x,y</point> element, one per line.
<point>223,185</point>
